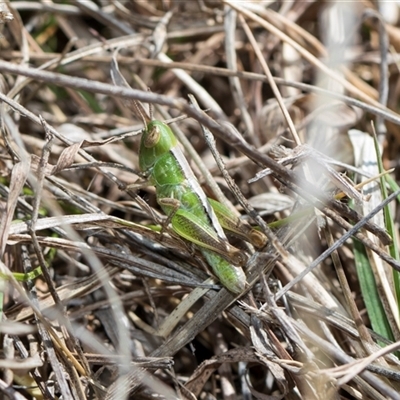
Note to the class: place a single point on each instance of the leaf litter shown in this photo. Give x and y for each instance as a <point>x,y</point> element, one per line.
<point>126,309</point>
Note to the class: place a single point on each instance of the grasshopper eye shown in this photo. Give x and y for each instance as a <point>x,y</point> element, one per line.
<point>152,137</point>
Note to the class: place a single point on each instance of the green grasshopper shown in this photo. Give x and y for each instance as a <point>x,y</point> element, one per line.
<point>191,214</point>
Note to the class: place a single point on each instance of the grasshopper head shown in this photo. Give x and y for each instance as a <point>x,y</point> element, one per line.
<point>157,140</point>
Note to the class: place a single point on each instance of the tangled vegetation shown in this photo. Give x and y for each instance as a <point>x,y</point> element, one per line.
<point>287,112</point>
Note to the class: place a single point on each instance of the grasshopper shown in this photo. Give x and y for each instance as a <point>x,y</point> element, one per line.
<point>191,214</point>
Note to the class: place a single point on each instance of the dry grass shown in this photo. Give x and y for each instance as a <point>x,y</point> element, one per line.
<point>120,307</point>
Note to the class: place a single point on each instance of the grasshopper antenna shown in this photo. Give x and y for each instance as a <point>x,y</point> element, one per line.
<point>141,113</point>
<point>119,80</point>
<point>151,108</point>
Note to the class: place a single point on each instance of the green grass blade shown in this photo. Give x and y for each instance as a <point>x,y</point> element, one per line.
<point>389,222</point>
<point>370,293</point>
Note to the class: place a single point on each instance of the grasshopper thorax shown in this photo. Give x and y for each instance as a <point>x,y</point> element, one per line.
<point>157,140</point>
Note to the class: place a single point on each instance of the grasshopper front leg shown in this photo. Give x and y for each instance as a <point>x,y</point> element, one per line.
<point>134,187</point>
<point>139,185</point>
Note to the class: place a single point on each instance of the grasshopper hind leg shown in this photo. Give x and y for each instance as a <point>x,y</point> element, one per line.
<point>217,252</point>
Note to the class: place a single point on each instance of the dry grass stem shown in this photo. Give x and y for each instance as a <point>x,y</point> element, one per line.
<point>274,105</point>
